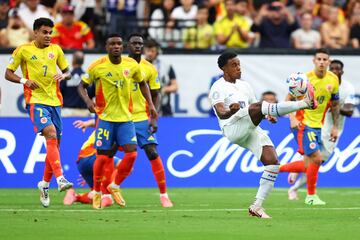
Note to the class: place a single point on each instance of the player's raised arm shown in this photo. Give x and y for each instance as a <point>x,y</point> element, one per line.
<point>223,113</point>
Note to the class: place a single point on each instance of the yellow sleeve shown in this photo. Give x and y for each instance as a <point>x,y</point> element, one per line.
<point>88,77</point>
<point>336,86</point>
<point>15,59</point>
<point>61,61</point>
<point>154,83</point>
<point>137,76</point>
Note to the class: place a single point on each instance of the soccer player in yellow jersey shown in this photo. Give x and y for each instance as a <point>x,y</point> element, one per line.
<point>146,139</point>
<point>39,61</point>
<point>114,76</point>
<point>306,124</point>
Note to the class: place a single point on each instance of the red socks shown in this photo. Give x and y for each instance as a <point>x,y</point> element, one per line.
<point>312,176</point>
<point>297,166</point>
<point>53,157</point>
<point>159,173</point>
<point>84,198</point>
<point>47,171</point>
<point>99,170</point>
<point>107,172</point>
<point>125,167</point>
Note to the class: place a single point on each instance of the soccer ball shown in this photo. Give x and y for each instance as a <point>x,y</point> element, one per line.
<point>297,83</point>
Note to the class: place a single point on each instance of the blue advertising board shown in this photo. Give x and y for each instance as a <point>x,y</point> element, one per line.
<point>193,151</point>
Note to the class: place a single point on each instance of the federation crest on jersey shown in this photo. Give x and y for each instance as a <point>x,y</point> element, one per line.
<point>98,143</point>
<point>312,145</point>
<point>126,72</point>
<point>329,87</point>
<point>43,120</point>
<point>215,95</point>
<point>51,55</point>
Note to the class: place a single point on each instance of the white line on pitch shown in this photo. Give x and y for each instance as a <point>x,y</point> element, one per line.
<point>167,210</point>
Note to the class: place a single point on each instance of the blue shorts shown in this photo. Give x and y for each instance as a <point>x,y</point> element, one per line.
<point>85,166</point>
<point>144,137</point>
<point>43,115</point>
<point>108,133</point>
<point>308,139</point>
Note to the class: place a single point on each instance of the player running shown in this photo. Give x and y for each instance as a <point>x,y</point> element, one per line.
<point>146,139</point>
<point>347,103</point>
<point>239,115</point>
<point>114,76</point>
<point>306,125</point>
<point>39,61</point>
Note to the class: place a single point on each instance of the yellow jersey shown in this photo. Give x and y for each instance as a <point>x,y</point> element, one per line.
<point>113,86</point>
<point>88,148</point>
<point>150,75</point>
<point>326,89</point>
<point>199,37</point>
<point>40,65</point>
<point>224,25</point>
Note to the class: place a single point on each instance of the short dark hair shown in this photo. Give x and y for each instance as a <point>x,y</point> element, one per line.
<point>336,61</point>
<point>135,35</point>
<point>38,23</point>
<point>111,35</point>
<point>152,43</point>
<point>268,93</point>
<point>322,50</point>
<point>225,57</point>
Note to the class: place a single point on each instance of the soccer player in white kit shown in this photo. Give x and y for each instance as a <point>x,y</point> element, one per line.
<point>239,114</point>
<point>347,103</point>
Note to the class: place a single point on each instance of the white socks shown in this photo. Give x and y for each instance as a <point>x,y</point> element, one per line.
<point>282,108</point>
<point>301,181</point>
<point>164,195</point>
<point>267,181</point>
<point>45,184</point>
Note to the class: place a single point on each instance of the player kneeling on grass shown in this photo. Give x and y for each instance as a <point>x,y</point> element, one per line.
<point>239,114</point>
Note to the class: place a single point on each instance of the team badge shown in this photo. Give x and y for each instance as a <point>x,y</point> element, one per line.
<point>126,72</point>
<point>312,145</point>
<point>43,120</point>
<point>51,55</point>
<point>215,95</point>
<point>329,88</point>
<point>11,60</point>
<point>98,143</point>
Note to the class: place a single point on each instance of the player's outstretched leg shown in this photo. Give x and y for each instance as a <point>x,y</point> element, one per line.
<point>44,193</point>
<point>283,108</point>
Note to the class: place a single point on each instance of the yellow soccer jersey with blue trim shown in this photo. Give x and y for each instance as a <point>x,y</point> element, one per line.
<point>40,65</point>
<point>326,89</point>
<point>150,75</point>
<point>113,83</point>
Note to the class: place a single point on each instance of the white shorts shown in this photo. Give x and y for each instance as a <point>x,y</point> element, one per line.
<point>242,131</point>
<point>328,146</point>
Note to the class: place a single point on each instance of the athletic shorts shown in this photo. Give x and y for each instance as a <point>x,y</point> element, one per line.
<point>308,139</point>
<point>144,137</point>
<point>43,115</point>
<point>108,133</point>
<point>85,166</point>
<point>242,131</point>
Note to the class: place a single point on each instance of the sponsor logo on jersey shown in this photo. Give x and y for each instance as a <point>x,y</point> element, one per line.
<point>151,138</point>
<point>11,60</point>
<point>33,57</point>
<point>109,74</point>
<point>134,139</point>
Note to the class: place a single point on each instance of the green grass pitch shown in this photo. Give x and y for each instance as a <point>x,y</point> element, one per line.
<point>199,213</point>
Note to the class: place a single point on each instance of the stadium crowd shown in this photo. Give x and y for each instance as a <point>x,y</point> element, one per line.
<point>205,24</point>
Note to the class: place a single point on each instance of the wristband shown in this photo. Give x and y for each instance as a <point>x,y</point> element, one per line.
<point>23,80</point>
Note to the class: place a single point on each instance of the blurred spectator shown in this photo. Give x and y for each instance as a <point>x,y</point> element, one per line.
<point>72,34</point>
<point>269,97</point>
<point>296,9</point>
<point>4,8</point>
<point>333,33</point>
<point>151,6</point>
<point>166,76</point>
<point>275,24</point>
<point>202,35</point>
<point>355,26</point>
<point>185,14</point>
<point>73,103</point>
<point>305,37</point>
<point>16,33</point>
<point>309,6</point>
<point>30,10</point>
<point>160,24</point>
<point>232,30</point>
<point>243,8</point>
<point>122,16</point>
